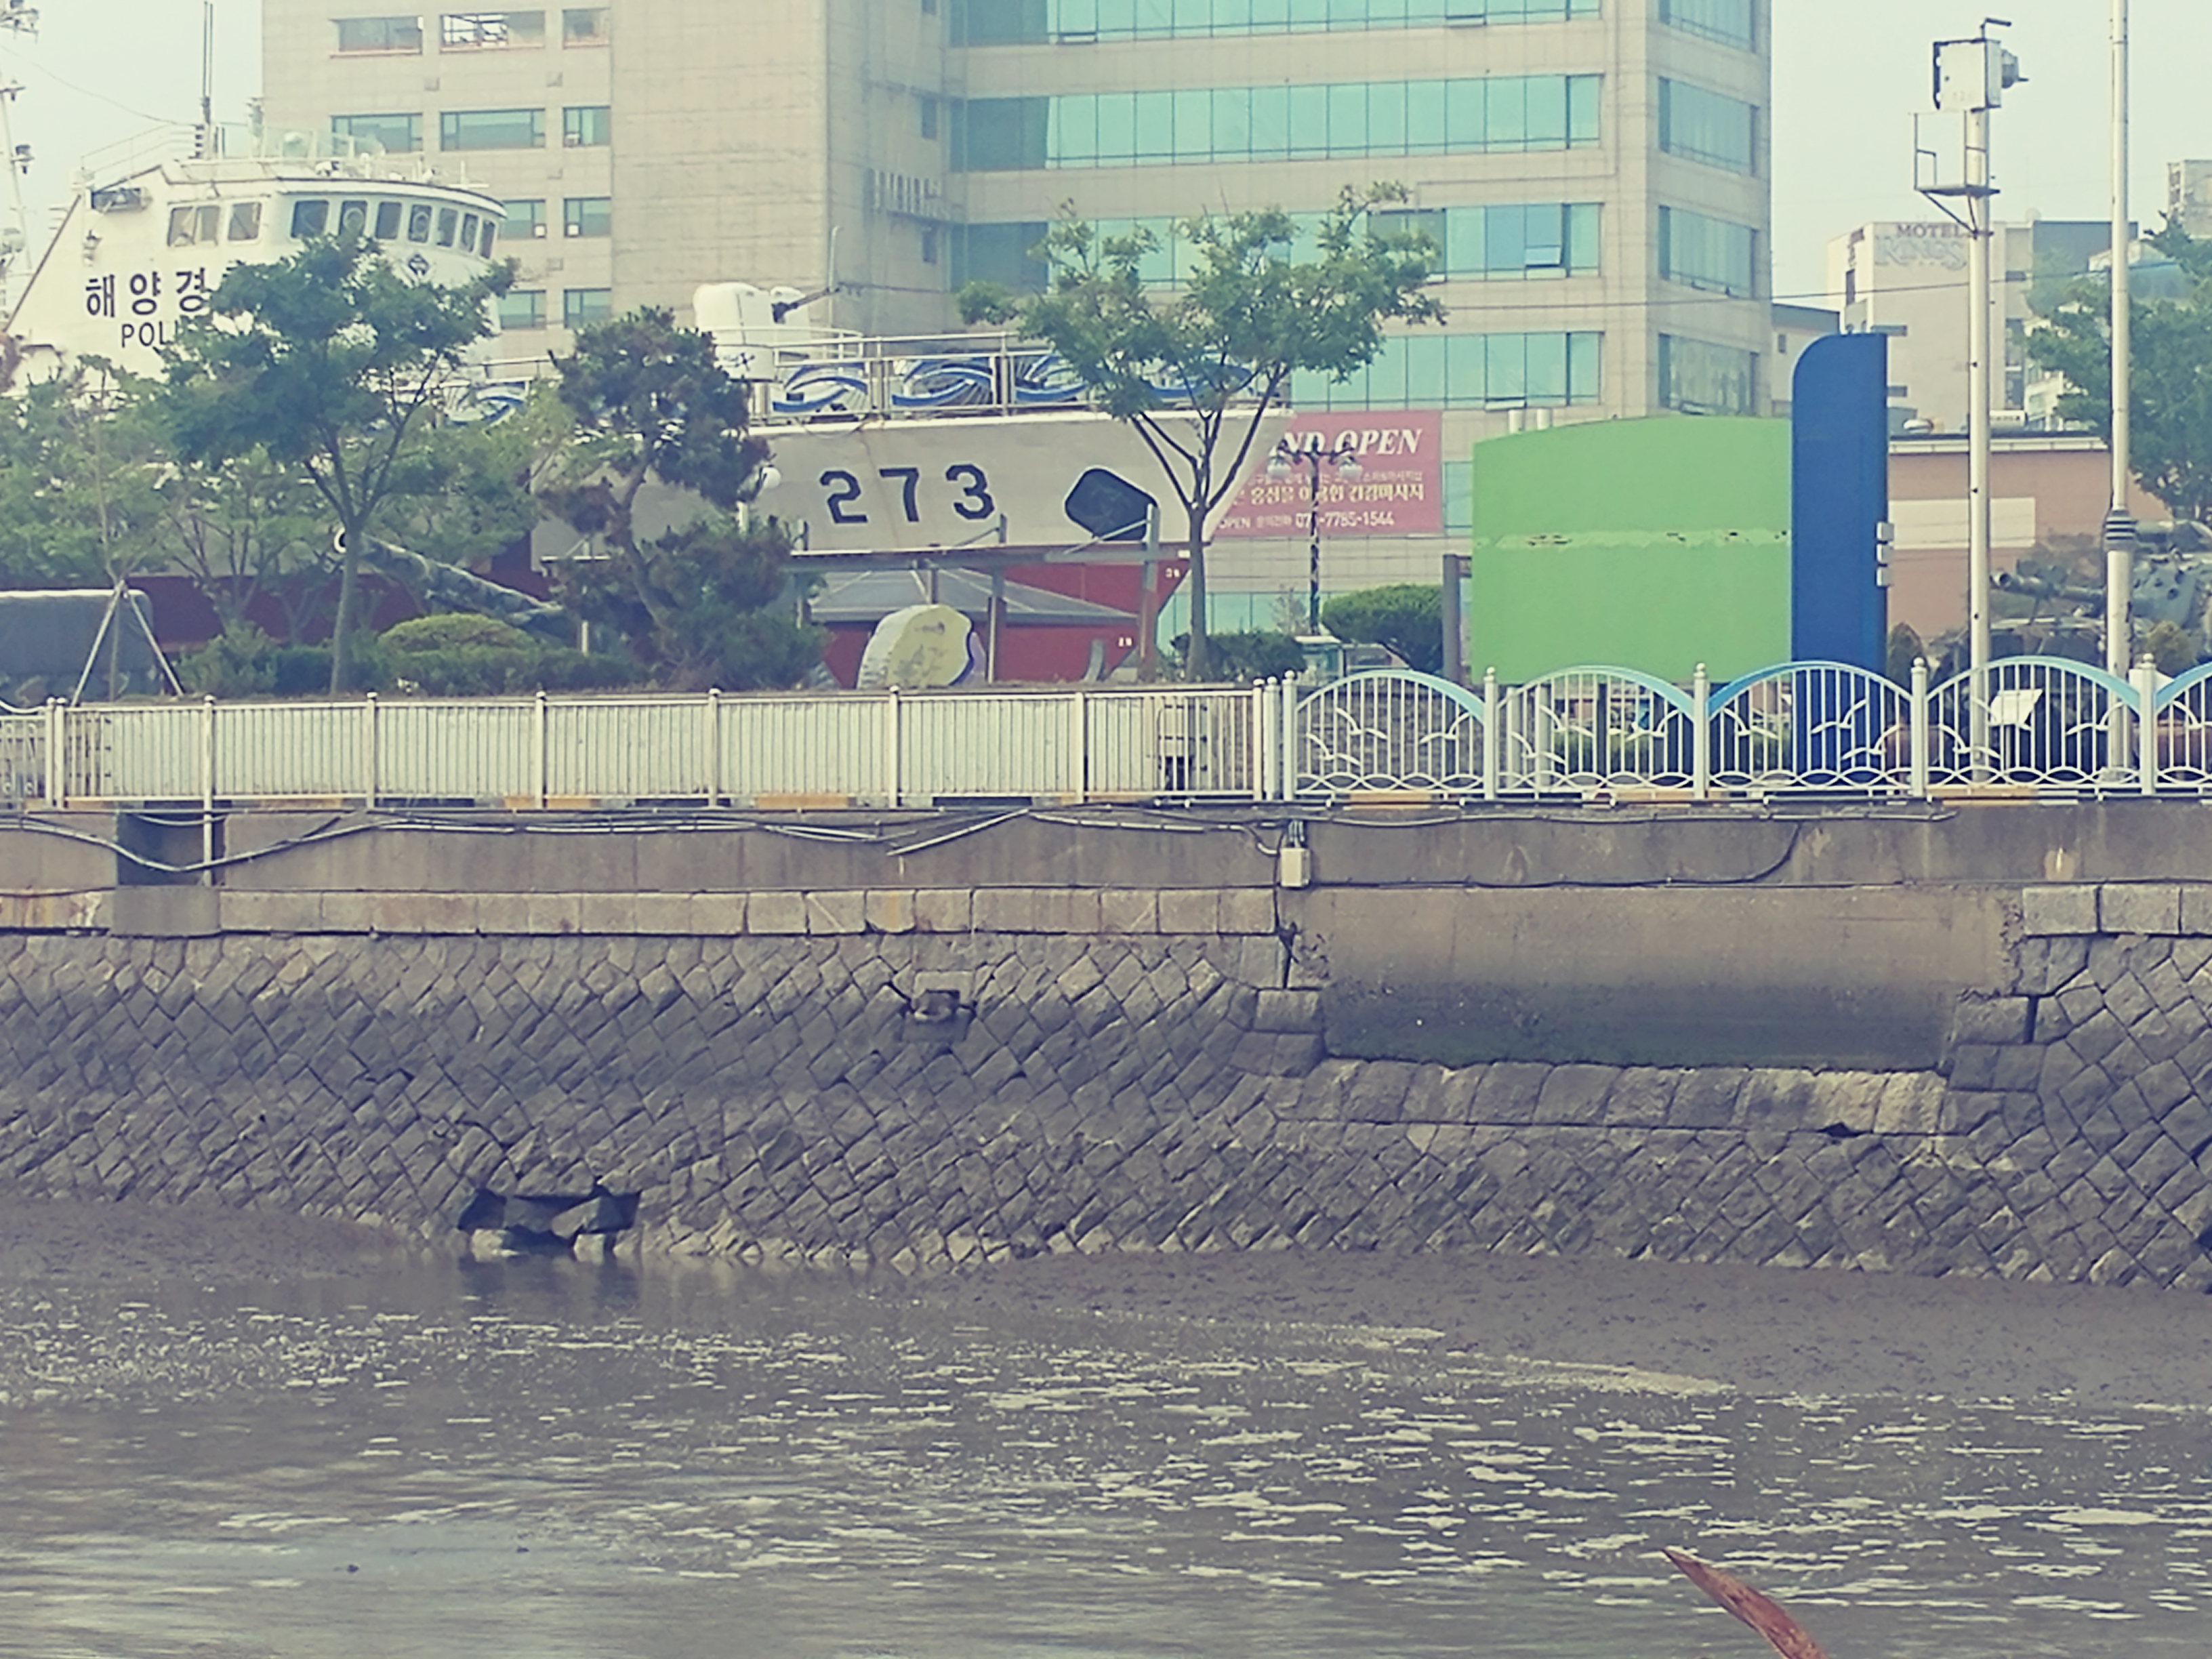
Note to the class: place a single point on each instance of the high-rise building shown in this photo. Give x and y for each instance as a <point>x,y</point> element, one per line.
<point>2189,197</point>
<point>1909,281</point>
<point>1596,172</point>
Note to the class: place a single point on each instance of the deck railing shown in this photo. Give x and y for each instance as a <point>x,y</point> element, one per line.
<point>2024,726</point>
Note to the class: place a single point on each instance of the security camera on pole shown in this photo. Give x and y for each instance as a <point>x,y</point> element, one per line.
<point>1971,79</point>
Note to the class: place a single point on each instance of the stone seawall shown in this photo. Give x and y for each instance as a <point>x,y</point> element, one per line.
<point>892,1078</point>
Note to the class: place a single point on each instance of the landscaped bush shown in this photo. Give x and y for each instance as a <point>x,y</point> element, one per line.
<point>457,655</point>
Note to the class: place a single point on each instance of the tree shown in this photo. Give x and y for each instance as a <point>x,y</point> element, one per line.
<point>76,498</point>
<point>650,405</point>
<point>1408,618</point>
<point>1193,372</point>
<point>2170,388</point>
<point>331,361</point>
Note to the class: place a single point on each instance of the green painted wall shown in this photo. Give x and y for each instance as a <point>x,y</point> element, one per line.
<point>1654,544</point>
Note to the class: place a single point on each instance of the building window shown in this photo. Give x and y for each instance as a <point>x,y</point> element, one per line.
<point>587,126</point>
<point>1708,253</point>
<point>490,31</point>
<point>1708,127</point>
<point>926,108</point>
<point>380,33</point>
<point>587,215</point>
<point>522,307</point>
<point>492,129</point>
<point>1699,377</point>
<point>1199,125</point>
<point>1729,21</point>
<point>1467,370</point>
<point>524,222</point>
<point>393,134</point>
<point>1510,242</point>
<point>582,307</point>
<point>583,26</point>
<point>1036,22</point>
<point>929,244</point>
<point>999,253</point>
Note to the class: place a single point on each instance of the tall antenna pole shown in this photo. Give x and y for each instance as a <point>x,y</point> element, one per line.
<point>18,19</point>
<point>2119,523</point>
<point>206,147</point>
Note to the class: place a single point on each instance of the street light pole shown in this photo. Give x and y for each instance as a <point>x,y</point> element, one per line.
<point>2119,522</point>
<point>1345,459</point>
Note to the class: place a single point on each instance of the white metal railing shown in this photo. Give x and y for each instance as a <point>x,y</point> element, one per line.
<point>884,748</point>
<point>2022,726</point>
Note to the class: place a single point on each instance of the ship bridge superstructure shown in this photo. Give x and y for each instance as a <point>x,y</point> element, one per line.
<point>149,232</point>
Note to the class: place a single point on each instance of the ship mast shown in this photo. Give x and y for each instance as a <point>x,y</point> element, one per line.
<point>207,142</point>
<point>17,19</point>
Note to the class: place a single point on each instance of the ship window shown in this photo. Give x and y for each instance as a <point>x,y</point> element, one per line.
<point>490,230</point>
<point>418,223</point>
<point>387,220</point>
<point>191,225</point>
<point>445,218</point>
<point>353,218</point>
<point>469,232</point>
<point>310,218</point>
<point>245,222</point>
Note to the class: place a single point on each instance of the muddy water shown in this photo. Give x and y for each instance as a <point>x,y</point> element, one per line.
<point>431,1457</point>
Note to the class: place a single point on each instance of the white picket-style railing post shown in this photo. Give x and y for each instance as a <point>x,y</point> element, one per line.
<point>1080,737</point>
<point>540,748</point>
<point>1918,740</point>
<point>2143,678</point>
<point>1493,735</point>
<point>713,770</point>
<point>1258,745</point>
<point>895,759</point>
<point>372,754</point>
<point>1701,735</point>
<point>207,788</point>
<point>57,755</point>
<point>1286,731</point>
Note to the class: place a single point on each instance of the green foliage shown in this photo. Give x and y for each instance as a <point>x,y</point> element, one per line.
<point>651,405</point>
<point>1195,371</point>
<point>1250,656</point>
<point>457,655</point>
<point>2170,386</point>
<point>2170,649</point>
<point>76,484</point>
<point>332,363</point>
<point>1407,616</point>
<point>242,661</point>
<point>236,662</point>
<point>1905,649</point>
<point>453,631</point>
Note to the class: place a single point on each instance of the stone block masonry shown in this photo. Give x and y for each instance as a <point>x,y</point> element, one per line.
<point>1129,1070</point>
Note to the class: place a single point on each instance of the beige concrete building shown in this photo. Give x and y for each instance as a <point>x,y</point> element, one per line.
<point>1596,172</point>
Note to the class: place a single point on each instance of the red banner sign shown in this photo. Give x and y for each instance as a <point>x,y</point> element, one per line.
<point>1399,491</point>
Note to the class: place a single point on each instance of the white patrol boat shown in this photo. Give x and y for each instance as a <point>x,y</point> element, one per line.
<point>148,235</point>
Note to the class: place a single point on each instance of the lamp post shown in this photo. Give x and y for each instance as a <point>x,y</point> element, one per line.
<point>1345,459</point>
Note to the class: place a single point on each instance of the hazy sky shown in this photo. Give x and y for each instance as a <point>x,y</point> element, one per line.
<point>1848,75</point>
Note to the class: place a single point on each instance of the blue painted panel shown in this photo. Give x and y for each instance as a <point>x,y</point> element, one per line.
<point>1840,478</point>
